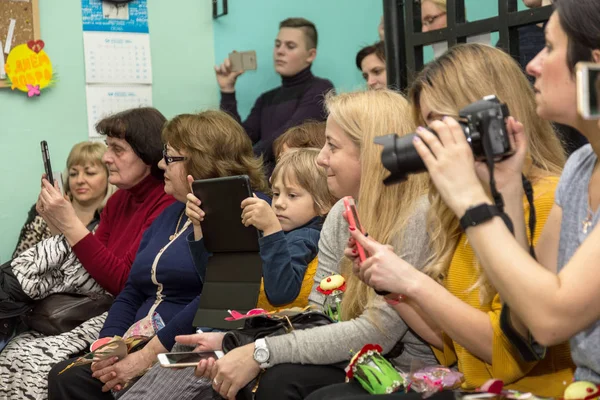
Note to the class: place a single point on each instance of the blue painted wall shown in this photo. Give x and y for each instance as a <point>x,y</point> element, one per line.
<point>344,27</point>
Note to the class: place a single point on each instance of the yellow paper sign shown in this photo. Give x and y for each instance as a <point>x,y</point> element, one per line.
<point>27,69</point>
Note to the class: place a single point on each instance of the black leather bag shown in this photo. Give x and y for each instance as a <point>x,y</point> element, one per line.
<point>260,327</point>
<point>61,312</point>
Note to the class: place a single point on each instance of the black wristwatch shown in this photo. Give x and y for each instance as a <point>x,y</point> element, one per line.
<point>479,214</point>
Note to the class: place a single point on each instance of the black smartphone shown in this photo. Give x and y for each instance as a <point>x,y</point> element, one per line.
<point>46,159</point>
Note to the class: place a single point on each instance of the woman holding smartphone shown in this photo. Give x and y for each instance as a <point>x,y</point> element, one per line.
<point>164,280</point>
<point>134,147</point>
<point>86,187</point>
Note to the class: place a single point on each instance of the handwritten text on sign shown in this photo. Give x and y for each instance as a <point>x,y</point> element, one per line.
<point>26,67</point>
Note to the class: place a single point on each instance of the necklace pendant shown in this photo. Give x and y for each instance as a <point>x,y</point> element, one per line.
<point>586,224</point>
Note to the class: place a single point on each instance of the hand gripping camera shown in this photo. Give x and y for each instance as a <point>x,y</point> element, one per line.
<point>483,120</point>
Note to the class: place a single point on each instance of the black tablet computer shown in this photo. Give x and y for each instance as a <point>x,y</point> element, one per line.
<point>222,227</point>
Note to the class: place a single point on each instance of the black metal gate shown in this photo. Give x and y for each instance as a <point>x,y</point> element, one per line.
<point>404,40</point>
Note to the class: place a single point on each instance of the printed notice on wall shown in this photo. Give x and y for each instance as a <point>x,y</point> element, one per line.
<point>106,16</point>
<point>117,58</point>
<point>105,100</point>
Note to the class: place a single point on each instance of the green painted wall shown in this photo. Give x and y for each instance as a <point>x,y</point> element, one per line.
<point>181,38</point>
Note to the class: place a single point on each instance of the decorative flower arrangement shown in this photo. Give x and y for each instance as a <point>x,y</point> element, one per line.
<point>333,287</point>
<point>434,378</point>
<point>375,374</point>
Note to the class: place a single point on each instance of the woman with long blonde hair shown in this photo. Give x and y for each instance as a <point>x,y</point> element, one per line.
<point>551,294</point>
<point>395,214</point>
<point>451,303</point>
<point>455,81</point>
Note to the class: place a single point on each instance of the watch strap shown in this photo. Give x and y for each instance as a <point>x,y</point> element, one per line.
<point>479,214</point>
<point>262,345</point>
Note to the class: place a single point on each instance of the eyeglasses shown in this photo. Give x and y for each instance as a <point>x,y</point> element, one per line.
<point>428,21</point>
<point>171,159</point>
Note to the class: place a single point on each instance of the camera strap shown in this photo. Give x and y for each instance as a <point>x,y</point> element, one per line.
<point>532,217</point>
<point>499,201</point>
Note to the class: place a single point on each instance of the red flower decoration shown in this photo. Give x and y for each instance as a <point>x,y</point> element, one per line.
<point>365,349</point>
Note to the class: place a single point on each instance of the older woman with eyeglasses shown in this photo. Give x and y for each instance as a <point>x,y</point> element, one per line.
<point>164,281</point>
<point>134,146</point>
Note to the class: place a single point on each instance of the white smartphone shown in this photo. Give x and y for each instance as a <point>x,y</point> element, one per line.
<point>588,90</point>
<point>184,359</point>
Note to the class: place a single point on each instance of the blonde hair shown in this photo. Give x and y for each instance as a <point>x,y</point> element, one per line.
<point>300,166</point>
<point>464,74</point>
<point>216,146</point>
<point>88,153</point>
<point>383,209</point>
<point>308,134</point>
<point>441,4</point>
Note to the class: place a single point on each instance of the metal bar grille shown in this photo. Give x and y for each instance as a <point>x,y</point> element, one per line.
<point>404,40</point>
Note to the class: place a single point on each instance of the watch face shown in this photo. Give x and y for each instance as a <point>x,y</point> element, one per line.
<point>261,355</point>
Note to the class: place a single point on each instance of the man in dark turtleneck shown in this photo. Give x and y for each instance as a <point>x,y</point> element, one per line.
<point>299,98</point>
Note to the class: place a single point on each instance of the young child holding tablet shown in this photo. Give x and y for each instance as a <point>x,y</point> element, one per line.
<point>291,225</point>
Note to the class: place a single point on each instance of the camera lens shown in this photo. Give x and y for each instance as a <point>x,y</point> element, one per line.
<point>399,156</point>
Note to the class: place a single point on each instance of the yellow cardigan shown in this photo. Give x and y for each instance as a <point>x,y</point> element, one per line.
<point>546,378</point>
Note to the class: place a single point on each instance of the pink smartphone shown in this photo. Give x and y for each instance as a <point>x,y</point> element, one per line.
<point>351,216</point>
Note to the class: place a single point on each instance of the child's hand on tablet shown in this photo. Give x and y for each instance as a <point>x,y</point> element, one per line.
<point>259,213</point>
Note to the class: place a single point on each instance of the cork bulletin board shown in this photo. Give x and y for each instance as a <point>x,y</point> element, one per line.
<point>26,14</point>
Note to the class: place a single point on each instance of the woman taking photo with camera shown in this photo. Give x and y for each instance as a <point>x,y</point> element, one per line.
<point>451,304</point>
<point>551,295</point>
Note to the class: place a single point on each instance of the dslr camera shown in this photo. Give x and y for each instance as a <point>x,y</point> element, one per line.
<point>483,120</point>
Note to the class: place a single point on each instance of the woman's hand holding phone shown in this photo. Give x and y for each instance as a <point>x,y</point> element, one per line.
<point>55,208</point>
<point>383,270</point>
<point>351,216</point>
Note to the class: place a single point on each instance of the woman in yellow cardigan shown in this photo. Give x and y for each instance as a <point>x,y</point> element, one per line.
<point>451,303</point>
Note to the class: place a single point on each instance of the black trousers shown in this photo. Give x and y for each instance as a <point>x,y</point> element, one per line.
<point>354,391</point>
<point>75,383</point>
<point>296,381</point>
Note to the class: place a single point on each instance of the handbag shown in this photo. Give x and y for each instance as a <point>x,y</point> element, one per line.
<point>61,312</point>
<point>262,326</point>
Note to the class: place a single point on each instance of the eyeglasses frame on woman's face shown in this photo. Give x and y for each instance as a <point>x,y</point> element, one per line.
<point>430,20</point>
<point>171,159</point>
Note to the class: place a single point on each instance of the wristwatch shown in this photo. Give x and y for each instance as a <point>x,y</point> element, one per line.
<point>261,353</point>
<point>479,214</point>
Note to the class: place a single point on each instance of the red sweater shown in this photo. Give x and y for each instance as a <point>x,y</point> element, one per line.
<point>108,254</point>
